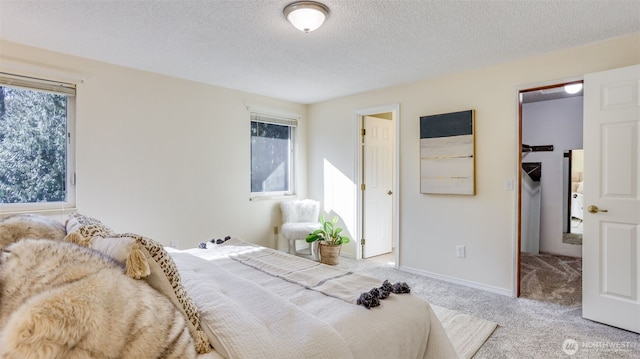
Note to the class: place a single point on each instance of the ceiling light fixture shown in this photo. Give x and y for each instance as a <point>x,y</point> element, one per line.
<point>573,88</point>
<point>306,15</point>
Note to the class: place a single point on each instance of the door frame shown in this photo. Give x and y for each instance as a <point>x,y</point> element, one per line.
<point>358,119</point>
<point>518,173</point>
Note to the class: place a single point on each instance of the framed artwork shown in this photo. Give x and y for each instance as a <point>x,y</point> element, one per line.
<point>447,155</point>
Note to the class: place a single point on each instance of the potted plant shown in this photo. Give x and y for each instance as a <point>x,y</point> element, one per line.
<point>329,239</point>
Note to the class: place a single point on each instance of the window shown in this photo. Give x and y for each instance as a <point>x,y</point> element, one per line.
<point>272,144</point>
<point>36,151</point>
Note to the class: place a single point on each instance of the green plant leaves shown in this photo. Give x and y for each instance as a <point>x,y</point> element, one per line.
<point>328,233</point>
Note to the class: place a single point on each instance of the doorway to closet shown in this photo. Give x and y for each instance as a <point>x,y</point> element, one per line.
<point>551,137</point>
<point>377,178</point>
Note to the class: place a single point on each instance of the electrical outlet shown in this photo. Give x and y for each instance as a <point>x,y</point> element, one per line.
<point>460,251</point>
<point>173,244</point>
<point>275,229</point>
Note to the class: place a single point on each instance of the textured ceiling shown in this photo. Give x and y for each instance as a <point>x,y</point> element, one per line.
<point>364,44</point>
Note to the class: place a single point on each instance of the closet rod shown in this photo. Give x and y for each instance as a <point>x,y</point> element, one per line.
<point>527,148</point>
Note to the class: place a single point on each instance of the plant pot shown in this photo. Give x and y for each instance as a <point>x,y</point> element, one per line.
<point>329,253</point>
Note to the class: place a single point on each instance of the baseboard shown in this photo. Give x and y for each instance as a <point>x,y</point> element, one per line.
<point>463,282</point>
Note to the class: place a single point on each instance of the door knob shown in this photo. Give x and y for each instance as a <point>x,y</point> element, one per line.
<point>595,209</point>
<point>389,193</point>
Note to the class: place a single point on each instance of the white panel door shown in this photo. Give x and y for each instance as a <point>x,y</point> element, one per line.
<point>611,248</point>
<point>378,177</point>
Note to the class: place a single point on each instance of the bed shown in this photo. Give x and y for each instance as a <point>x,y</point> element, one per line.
<point>256,302</point>
<point>281,317</point>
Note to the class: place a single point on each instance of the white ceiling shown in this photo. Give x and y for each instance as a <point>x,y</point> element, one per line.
<point>364,44</point>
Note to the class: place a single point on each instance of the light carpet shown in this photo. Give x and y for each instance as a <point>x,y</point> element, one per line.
<point>466,332</point>
<point>551,278</point>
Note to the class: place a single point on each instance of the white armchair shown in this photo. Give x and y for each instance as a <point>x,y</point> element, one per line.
<point>299,218</point>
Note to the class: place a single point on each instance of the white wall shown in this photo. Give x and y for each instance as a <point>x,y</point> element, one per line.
<point>164,157</point>
<point>432,225</point>
<point>557,123</point>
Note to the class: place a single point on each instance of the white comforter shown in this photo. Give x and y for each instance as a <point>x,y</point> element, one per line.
<point>248,313</point>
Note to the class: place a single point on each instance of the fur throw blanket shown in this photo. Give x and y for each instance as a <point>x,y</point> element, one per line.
<point>60,300</point>
<point>20,226</point>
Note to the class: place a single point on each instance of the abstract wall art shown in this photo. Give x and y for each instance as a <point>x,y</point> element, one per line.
<point>447,156</point>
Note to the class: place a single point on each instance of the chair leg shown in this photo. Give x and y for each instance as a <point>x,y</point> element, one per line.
<point>292,246</point>
<point>315,253</point>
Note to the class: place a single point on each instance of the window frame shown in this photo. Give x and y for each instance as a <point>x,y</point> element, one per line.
<point>68,90</point>
<point>282,120</point>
